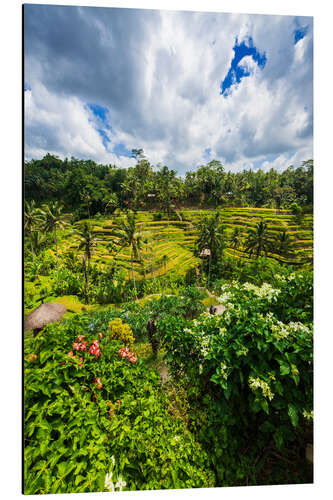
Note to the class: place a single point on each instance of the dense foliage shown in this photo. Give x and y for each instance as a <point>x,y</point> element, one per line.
<point>250,373</point>
<point>144,389</point>
<point>87,188</point>
<point>90,412</point>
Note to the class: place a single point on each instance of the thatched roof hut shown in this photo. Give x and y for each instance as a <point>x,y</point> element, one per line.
<point>42,315</point>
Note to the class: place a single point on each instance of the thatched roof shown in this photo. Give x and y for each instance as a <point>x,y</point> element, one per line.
<point>44,314</point>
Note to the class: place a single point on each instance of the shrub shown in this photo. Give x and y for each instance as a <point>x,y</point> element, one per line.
<point>248,372</point>
<point>121,331</point>
<point>192,297</point>
<point>157,215</point>
<point>101,423</point>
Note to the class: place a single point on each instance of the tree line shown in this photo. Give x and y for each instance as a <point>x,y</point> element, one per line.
<point>86,188</point>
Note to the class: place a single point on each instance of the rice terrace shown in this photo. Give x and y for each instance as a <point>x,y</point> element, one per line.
<point>168,291</point>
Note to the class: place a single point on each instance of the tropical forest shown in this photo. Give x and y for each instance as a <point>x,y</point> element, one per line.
<point>168,326</point>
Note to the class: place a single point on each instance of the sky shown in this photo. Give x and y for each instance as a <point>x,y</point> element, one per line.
<point>186,87</point>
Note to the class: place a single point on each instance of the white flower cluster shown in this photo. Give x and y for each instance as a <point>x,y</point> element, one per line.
<point>266,291</point>
<point>205,341</point>
<point>109,483</point>
<point>299,328</point>
<point>225,298</point>
<point>258,383</point>
<point>281,330</point>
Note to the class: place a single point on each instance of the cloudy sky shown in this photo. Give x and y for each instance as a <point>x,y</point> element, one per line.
<point>186,87</point>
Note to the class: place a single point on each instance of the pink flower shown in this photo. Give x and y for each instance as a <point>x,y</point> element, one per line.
<point>31,357</point>
<point>98,383</point>
<point>76,346</point>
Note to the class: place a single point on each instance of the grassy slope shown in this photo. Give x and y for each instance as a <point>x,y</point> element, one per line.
<point>175,239</point>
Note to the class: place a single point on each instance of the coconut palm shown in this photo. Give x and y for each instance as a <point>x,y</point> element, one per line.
<point>38,240</point>
<point>31,220</point>
<point>53,219</point>
<point>283,243</point>
<point>211,239</point>
<point>235,239</point>
<point>111,203</point>
<point>257,240</point>
<point>130,236</point>
<point>87,242</point>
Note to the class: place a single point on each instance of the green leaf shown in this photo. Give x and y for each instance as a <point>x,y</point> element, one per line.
<point>293,414</point>
<point>44,355</point>
<point>264,405</point>
<point>284,369</point>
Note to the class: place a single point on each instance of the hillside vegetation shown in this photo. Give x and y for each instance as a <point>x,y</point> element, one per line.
<point>185,356</point>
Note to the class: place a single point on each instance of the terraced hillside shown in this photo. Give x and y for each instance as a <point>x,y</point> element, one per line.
<point>169,245</point>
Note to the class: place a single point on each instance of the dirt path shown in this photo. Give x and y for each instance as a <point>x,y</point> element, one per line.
<point>218,308</point>
<point>164,373</point>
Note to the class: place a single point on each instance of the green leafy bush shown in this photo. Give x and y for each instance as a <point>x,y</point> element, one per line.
<point>96,422</point>
<point>120,331</point>
<point>248,372</point>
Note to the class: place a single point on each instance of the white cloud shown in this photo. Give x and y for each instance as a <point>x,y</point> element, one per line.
<point>161,84</point>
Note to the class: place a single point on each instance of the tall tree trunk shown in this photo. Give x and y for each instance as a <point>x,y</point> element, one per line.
<point>56,242</point>
<point>84,259</point>
<point>87,278</point>
<point>133,276</point>
<point>32,248</point>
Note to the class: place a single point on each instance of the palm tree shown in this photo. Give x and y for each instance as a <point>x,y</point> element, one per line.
<point>38,240</point>
<point>167,186</point>
<point>211,240</point>
<point>87,241</point>
<point>112,203</point>
<point>130,236</point>
<point>283,244</point>
<point>31,220</point>
<point>164,260</point>
<point>257,240</point>
<point>235,239</point>
<point>53,219</point>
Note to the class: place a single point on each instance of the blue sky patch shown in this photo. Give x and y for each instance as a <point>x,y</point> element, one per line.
<point>207,152</point>
<point>26,87</point>
<point>236,72</point>
<point>104,137</point>
<point>99,111</point>
<point>121,150</point>
<point>300,33</point>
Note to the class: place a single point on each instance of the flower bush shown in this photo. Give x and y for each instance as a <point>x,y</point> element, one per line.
<point>81,409</point>
<point>250,373</point>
